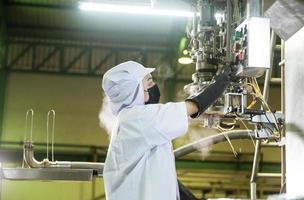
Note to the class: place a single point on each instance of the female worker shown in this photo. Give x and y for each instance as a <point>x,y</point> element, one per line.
<point>140,162</point>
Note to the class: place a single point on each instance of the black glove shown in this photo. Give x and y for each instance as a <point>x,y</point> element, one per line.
<point>207,96</point>
<point>230,71</point>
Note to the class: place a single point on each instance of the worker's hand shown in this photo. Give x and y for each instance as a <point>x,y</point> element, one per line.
<point>207,96</point>
<point>228,73</point>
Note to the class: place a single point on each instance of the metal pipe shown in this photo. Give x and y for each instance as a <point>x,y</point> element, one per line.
<point>51,113</point>
<point>272,175</point>
<point>277,47</point>
<point>276,81</point>
<point>269,71</point>
<point>253,191</point>
<point>194,33</point>
<point>228,36</point>
<point>33,163</point>
<point>283,60</point>
<point>255,167</point>
<point>26,138</point>
<point>30,113</point>
<point>211,140</point>
<point>271,144</point>
<point>256,158</point>
<point>200,9</point>
<point>283,148</point>
<point>273,81</point>
<point>28,156</point>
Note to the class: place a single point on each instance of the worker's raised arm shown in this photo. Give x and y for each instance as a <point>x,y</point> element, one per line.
<point>196,104</point>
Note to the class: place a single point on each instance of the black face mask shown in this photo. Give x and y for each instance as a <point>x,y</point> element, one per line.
<point>154,95</point>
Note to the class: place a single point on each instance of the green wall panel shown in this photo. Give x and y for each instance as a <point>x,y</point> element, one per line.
<point>52,190</point>
<point>76,100</point>
<point>3,73</point>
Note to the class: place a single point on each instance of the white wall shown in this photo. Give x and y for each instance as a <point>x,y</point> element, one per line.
<point>295,114</point>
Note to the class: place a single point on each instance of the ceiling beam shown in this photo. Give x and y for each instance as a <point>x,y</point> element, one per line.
<point>72,6</point>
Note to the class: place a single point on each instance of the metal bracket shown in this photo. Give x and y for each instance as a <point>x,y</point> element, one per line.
<point>268,117</point>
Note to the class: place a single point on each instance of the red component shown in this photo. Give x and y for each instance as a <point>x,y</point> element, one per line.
<point>241,56</point>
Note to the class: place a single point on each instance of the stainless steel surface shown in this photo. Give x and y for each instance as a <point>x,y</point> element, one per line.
<point>48,174</point>
<point>235,101</point>
<point>268,117</point>
<point>286,17</point>
<point>28,156</point>
<point>258,46</point>
<point>211,140</point>
<point>255,8</point>
<point>33,163</point>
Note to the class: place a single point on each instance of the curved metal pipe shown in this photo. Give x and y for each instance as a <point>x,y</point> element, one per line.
<point>28,156</point>
<point>189,148</point>
<point>214,139</point>
<point>33,163</point>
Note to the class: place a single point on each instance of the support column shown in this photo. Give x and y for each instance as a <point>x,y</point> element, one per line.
<point>3,70</point>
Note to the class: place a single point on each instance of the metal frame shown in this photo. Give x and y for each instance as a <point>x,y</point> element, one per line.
<point>69,57</point>
<point>256,161</point>
<point>283,148</point>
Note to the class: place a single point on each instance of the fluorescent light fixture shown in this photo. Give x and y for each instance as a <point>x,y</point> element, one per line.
<point>185,60</point>
<point>132,9</point>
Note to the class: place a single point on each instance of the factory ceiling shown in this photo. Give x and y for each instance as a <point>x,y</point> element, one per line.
<point>62,19</point>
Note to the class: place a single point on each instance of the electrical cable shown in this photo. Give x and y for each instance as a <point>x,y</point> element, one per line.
<point>259,96</point>
<point>229,141</point>
<point>241,120</point>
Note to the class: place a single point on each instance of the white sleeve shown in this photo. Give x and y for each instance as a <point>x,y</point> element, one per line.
<point>167,121</point>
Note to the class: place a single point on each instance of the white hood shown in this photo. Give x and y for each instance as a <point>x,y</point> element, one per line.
<point>123,85</point>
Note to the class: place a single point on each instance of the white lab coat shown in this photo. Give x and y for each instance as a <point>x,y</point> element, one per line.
<point>140,162</point>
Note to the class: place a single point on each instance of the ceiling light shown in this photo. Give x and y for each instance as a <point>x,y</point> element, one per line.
<point>185,52</point>
<point>131,9</point>
<point>185,60</point>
